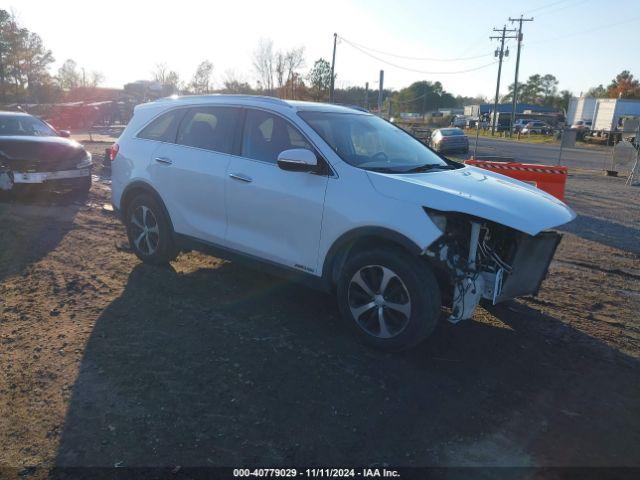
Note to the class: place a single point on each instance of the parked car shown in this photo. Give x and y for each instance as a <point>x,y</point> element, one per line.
<point>33,153</point>
<point>473,123</point>
<point>450,140</point>
<point>459,121</point>
<point>336,198</point>
<point>520,123</point>
<point>582,125</point>
<point>541,128</point>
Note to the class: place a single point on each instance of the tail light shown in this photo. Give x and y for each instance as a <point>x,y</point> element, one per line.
<point>113,151</point>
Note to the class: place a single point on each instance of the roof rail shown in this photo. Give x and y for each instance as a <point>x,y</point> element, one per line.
<point>266,98</point>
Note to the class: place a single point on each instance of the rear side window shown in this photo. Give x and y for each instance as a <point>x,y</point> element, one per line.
<point>163,128</point>
<point>266,135</point>
<point>210,128</point>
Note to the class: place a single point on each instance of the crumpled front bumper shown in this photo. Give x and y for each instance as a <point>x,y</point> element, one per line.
<point>11,175</point>
<point>41,177</point>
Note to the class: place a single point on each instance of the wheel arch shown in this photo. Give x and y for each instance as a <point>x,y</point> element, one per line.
<point>135,188</point>
<point>357,239</point>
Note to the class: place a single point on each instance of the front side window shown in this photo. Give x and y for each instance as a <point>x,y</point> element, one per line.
<point>163,128</point>
<point>24,125</point>
<point>266,135</point>
<point>210,128</point>
<point>368,142</point>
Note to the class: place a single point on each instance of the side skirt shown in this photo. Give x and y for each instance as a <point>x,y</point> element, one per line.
<point>185,242</point>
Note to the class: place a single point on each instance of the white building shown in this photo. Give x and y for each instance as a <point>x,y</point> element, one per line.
<point>604,113</point>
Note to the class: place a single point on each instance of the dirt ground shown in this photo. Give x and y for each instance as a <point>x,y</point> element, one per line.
<point>108,362</point>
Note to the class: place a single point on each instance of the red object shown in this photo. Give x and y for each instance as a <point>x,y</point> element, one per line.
<point>113,151</point>
<point>549,178</point>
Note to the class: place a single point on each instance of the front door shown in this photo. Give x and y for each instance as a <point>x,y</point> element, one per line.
<point>272,213</point>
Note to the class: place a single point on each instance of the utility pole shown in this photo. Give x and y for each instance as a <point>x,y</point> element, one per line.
<point>380,93</point>
<point>424,102</point>
<point>515,84</point>
<point>500,54</point>
<point>366,95</point>
<point>333,67</point>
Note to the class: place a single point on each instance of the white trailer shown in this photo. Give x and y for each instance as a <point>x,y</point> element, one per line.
<point>609,110</point>
<point>580,108</point>
<point>604,113</point>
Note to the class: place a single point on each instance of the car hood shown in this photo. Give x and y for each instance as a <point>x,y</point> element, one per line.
<point>478,192</point>
<point>24,153</point>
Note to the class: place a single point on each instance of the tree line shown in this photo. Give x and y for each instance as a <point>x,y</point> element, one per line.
<point>25,77</point>
<point>24,67</point>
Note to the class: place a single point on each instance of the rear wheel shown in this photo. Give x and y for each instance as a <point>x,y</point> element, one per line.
<point>149,231</point>
<point>390,298</point>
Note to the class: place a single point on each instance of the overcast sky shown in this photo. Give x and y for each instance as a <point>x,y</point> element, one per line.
<point>578,41</point>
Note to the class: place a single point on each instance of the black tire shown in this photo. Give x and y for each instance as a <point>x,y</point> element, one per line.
<point>415,283</point>
<point>160,238</point>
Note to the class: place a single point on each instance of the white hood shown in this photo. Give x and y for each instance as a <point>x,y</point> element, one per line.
<point>480,193</point>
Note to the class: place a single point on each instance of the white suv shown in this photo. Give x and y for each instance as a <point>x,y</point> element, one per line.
<point>337,198</point>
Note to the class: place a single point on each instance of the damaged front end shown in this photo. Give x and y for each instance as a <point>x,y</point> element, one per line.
<point>485,260</point>
<point>21,172</point>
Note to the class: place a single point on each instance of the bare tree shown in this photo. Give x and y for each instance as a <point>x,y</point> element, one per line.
<point>92,80</point>
<point>173,81</point>
<point>170,79</point>
<point>96,78</point>
<point>202,78</point>
<point>294,59</point>
<point>160,73</point>
<point>235,84</point>
<point>263,62</point>
<point>280,68</point>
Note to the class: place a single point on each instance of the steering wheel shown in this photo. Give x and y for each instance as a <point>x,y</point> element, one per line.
<point>380,156</point>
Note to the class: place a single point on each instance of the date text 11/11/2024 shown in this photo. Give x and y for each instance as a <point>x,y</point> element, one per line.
<point>316,473</point>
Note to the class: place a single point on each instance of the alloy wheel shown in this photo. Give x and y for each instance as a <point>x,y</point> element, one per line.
<point>379,301</point>
<point>145,231</point>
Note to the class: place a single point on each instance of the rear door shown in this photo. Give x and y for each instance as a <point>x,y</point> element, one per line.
<point>274,214</point>
<point>192,171</point>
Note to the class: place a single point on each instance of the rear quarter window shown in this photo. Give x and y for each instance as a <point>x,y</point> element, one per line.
<point>164,127</point>
<point>210,128</point>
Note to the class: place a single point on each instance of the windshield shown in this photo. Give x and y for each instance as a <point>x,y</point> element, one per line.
<point>24,125</point>
<point>368,142</point>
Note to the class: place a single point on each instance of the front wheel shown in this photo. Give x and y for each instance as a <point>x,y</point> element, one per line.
<point>389,297</point>
<point>149,231</point>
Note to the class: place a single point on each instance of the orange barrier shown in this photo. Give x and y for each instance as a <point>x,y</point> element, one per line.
<point>550,179</point>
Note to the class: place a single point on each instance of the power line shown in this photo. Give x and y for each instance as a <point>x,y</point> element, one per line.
<point>574,4</point>
<point>473,46</point>
<point>542,7</point>
<point>416,70</point>
<point>406,57</point>
<point>589,30</point>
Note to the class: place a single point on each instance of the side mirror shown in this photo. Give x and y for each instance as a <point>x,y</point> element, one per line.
<point>64,133</point>
<point>298,160</point>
